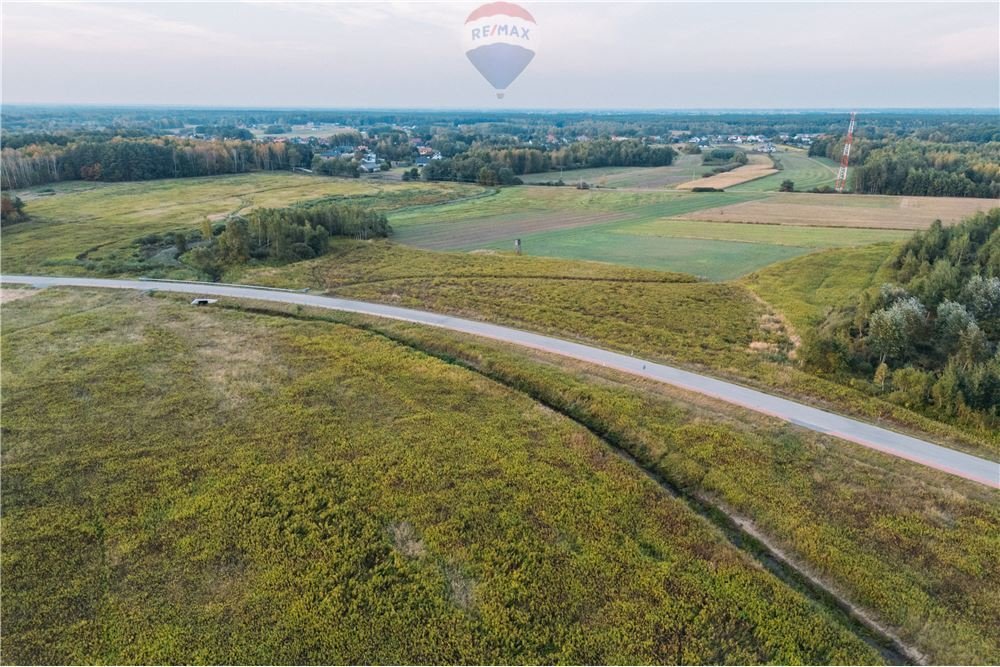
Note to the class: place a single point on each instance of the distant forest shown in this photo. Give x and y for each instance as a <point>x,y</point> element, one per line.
<point>139,159</point>
<point>908,153</point>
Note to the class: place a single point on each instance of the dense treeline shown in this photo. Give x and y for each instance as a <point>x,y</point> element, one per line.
<point>280,234</point>
<point>914,166</point>
<point>502,166</point>
<point>127,159</point>
<point>930,337</point>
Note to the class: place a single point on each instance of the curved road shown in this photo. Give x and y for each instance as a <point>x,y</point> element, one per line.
<point>896,444</point>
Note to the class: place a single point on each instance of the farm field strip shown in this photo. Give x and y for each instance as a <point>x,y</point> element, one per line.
<point>858,211</point>
<point>475,232</point>
<point>800,236</point>
<point>711,259</point>
<point>804,171</point>
<point>462,226</point>
<point>759,166</point>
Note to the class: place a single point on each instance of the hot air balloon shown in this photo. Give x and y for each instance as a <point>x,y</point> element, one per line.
<point>500,40</point>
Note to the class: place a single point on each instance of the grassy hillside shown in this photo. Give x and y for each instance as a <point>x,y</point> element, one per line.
<point>806,172</point>
<point>803,289</point>
<point>721,328</point>
<point>78,228</point>
<point>193,485</point>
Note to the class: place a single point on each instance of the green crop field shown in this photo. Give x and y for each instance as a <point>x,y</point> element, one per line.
<point>81,228</point>
<point>803,237</point>
<point>703,257</point>
<point>806,172</point>
<point>77,228</point>
<point>190,485</point>
<point>685,168</point>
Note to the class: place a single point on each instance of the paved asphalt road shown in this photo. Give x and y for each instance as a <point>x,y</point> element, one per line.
<point>920,451</point>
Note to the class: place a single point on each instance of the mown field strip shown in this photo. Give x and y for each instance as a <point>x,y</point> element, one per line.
<point>476,232</point>
<point>801,236</point>
<point>804,171</point>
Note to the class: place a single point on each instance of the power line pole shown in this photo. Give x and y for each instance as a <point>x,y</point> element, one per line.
<point>842,172</point>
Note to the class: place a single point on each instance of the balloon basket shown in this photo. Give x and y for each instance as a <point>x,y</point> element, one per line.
<point>499,96</point>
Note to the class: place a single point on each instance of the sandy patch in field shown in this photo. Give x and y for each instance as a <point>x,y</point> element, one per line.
<point>872,211</point>
<point>759,167</point>
<point>7,295</point>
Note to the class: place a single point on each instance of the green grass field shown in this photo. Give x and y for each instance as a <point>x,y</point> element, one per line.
<point>802,237</point>
<point>684,168</point>
<point>806,288</point>
<point>78,228</point>
<point>631,228</point>
<point>190,485</point>
<point>706,258</point>
<point>806,172</point>
<point>716,251</point>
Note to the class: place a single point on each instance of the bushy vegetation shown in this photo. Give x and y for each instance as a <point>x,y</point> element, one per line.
<point>283,235</point>
<point>724,156</point>
<point>928,336</point>
<point>926,565</point>
<point>11,209</point>
<point>193,486</point>
<point>342,166</point>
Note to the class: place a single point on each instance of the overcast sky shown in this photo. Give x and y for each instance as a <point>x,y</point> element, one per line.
<point>591,55</point>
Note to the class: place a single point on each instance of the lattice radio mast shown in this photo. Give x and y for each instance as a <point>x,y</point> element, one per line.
<point>842,172</point>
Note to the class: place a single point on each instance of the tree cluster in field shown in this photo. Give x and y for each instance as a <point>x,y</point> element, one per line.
<point>723,156</point>
<point>725,159</point>
<point>913,166</point>
<point>11,209</point>
<point>138,159</point>
<point>930,338</point>
<point>280,235</point>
